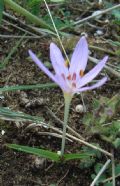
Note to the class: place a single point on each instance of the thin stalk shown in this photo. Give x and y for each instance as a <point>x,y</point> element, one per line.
<point>56,31</point>
<point>113,169</point>
<point>66,114</point>
<point>100,172</point>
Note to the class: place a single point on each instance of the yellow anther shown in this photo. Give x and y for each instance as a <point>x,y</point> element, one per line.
<point>81,73</point>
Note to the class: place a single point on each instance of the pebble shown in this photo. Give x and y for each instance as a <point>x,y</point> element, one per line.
<point>97,13</point>
<point>79,108</point>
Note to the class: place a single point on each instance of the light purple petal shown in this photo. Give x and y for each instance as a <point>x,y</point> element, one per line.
<point>41,66</point>
<point>92,73</point>
<point>62,83</point>
<point>96,85</point>
<point>57,60</point>
<point>79,57</point>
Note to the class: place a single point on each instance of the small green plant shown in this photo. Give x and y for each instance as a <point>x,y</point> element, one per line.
<point>95,154</point>
<point>105,178</point>
<point>101,121</point>
<point>114,13</point>
<point>1,9</point>
<point>33,6</point>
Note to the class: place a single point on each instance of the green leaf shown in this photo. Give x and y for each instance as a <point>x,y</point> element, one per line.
<point>108,184</point>
<point>88,119</point>
<point>117,169</point>
<point>1,9</point>
<point>47,154</point>
<point>115,12</point>
<point>39,152</point>
<point>27,87</point>
<point>34,6</point>
<point>116,143</point>
<point>7,114</point>
<point>73,156</point>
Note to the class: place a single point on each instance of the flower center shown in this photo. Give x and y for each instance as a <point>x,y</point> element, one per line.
<point>70,80</point>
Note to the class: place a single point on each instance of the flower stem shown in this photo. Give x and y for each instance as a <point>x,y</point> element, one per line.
<point>66,113</point>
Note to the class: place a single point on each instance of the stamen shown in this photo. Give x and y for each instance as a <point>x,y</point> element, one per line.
<point>74,76</point>
<point>81,73</point>
<point>63,76</point>
<point>74,85</point>
<point>69,77</point>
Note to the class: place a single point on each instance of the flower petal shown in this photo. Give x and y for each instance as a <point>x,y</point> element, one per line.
<point>41,66</point>
<point>79,57</point>
<point>57,60</point>
<point>92,73</point>
<point>62,83</point>
<point>96,85</point>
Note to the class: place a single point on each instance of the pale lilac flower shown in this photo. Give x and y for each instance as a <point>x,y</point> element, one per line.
<point>70,77</point>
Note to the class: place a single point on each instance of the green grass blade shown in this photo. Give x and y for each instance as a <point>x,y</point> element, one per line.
<point>47,154</point>
<point>1,9</point>
<point>32,18</point>
<point>7,114</point>
<point>73,156</point>
<point>28,87</point>
<point>39,152</point>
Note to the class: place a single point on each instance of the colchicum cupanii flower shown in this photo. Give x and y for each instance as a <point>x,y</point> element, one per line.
<point>70,77</point>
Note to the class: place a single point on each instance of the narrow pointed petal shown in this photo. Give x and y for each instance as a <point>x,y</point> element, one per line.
<point>57,60</point>
<point>79,57</point>
<point>96,85</point>
<point>92,73</point>
<point>41,66</point>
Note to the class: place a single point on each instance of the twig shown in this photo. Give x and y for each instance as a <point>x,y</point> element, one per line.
<point>113,169</point>
<point>62,177</point>
<point>53,134</point>
<point>110,179</point>
<point>62,123</point>
<point>112,71</point>
<point>100,172</point>
<point>32,18</point>
<point>58,36</point>
<point>101,49</point>
<point>22,29</point>
<point>90,145</point>
<point>32,28</point>
<point>93,16</point>
<point>33,125</point>
<point>27,37</point>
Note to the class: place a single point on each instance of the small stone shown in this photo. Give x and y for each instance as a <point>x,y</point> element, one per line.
<point>79,108</point>
<point>59,153</point>
<point>98,33</point>
<point>84,34</point>
<point>39,162</point>
<point>96,13</point>
<point>107,21</point>
<point>2,132</point>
